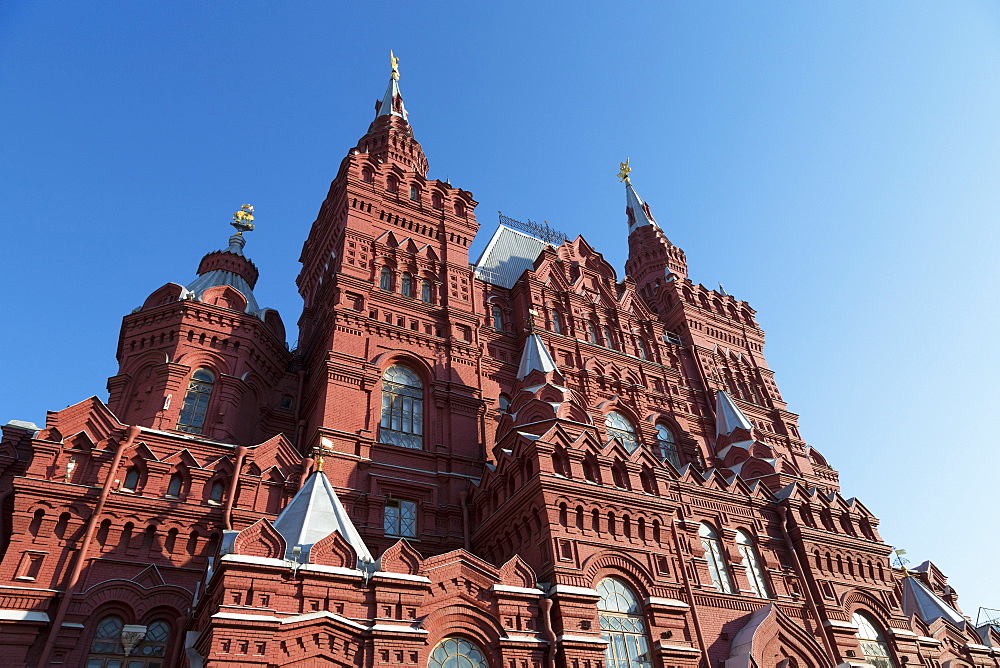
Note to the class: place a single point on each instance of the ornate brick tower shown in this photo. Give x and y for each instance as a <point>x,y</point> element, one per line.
<point>523,462</point>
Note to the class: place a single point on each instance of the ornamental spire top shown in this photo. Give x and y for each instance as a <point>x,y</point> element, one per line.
<point>637,211</point>
<point>243,219</point>
<point>392,102</point>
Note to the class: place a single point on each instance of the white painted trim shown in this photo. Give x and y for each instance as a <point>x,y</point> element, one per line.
<point>23,616</point>
<point>397,628</point>
<point>666,602</point>
<point>517,590</point>
<point>680,648</point>
<point>902,632</point>
<point>566,637</point>
<point>401,576</point>
<point>928,639</point>
<point>521,638</point>
<point>574,591</point>
<point>840,625</point>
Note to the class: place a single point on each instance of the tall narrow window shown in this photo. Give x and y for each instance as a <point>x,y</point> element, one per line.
<point>457,653</point>
<point>414,193</point>
<point>153,647</point>
<point>174,488</point>
<point>640,348</point>
<point>716,563</point>
<point>217,492</point>
<point>556,321</point>
<point>751,562</point>
<point>385,279</point>
<point>497,314</point>
<point>131,479</point>
<point>400,518</point>
<point>622,626</point>
<point>668,446</point>
<point>873,644</point>
<point>192,419</point>
<point>504,403</point>
<point>402,421</point>
<point>406,285</point>
<point>591,332</point>
<point>618,426</point>
<point>608,341</point>
<point>425,291</point>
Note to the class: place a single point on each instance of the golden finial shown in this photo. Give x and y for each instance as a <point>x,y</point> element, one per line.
<point>394,62</point>
<point>623,172</point>
<point>243,219</point>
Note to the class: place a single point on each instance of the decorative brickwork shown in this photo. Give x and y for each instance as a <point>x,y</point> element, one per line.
<point>542,470</point>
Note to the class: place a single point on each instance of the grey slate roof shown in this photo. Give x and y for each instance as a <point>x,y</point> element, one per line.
<point>386,107</point>
<point>917,598</point>
<point>313,514</point>
<point>728,416</point>
<point>507,256</point>
<point>535,357</point>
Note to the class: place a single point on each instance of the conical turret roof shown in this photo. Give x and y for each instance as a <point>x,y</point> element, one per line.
<point>728,416</point>
<point>535,357</point>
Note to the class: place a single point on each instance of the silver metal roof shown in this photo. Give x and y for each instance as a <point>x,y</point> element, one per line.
<point>728,416</point>
<point>507,256</point>
<point>217,277</point>
<point>634,204</point>
<point>917,598</point>
<point>313,514</point>
<point>535,357</point>
<point>386,107</point>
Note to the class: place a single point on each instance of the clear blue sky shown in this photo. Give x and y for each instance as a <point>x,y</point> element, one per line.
<point>836,164</point>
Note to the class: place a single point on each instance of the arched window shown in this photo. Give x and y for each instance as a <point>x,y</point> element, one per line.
<point>622,626</point>
<point>619,427</point>
<point>217,492</point>
<point>556,321</point>
<point>751,562</point>
<point>873,645</point>
<point>153,647</point>
<point>425,291</point>
<point>402,421</point>
<point>385,279</point>
<point>459,209</point>
<point>367,176</point>
<point>199,391</point>
<point>716,562</point>
<point>591,332</point>
<point>640,348</point>
<point>457,653</point>
<point>608,341</point>
<point>406,285</point>
<point>176,482</point>
<point>497,314</point>
<point>106,644</point>
<point>131,479</point>
<point>415,193</point>
<point>668,445</point>
<point>392,184</point>
<point>504,403</point>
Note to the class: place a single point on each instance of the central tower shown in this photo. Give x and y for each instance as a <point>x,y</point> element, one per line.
<point>388,303</point>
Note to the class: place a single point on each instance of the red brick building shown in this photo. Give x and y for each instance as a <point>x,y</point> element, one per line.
<point>517,462</point>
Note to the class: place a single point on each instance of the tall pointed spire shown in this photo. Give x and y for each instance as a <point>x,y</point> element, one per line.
<point>390,138</point>
<point>637,211</point>
<point>392,102</point>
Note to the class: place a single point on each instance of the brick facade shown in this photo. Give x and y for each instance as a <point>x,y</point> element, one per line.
<point>500,503</point>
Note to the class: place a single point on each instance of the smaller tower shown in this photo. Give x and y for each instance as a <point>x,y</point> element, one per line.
<point>652,258</point>
<point>205,358</point>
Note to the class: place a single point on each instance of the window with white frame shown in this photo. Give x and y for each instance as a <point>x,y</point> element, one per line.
<point>714,556</point>
<point>751,562</point>
<point>192,417</point>
<point>400,518</point>
<point>457,652</point>
<point>402,420</point>
<point>873,644</point>
<point>618,426</point>
<point>667,444</point>
<point>622,626</point>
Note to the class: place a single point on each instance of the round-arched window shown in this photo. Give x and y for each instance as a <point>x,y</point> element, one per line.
<point>192,418</point>
<point>622,626</point>
<point>714,556</point>
<point>402,421</point>
<point>107,636</point>
<point>873,644</point>
<point>619,427</point>
<point>751,562</point>
<point>667,444</point>
<point>457,653</point>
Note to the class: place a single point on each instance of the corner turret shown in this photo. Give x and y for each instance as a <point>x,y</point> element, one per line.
<point>652,258</point>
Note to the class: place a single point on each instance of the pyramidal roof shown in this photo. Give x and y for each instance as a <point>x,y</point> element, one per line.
<point>728,416</point>
<point>392,101</point>
<point>919,599</point>
<point>313,514</point>
<point>535,357</point>
<point>219,276</point>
